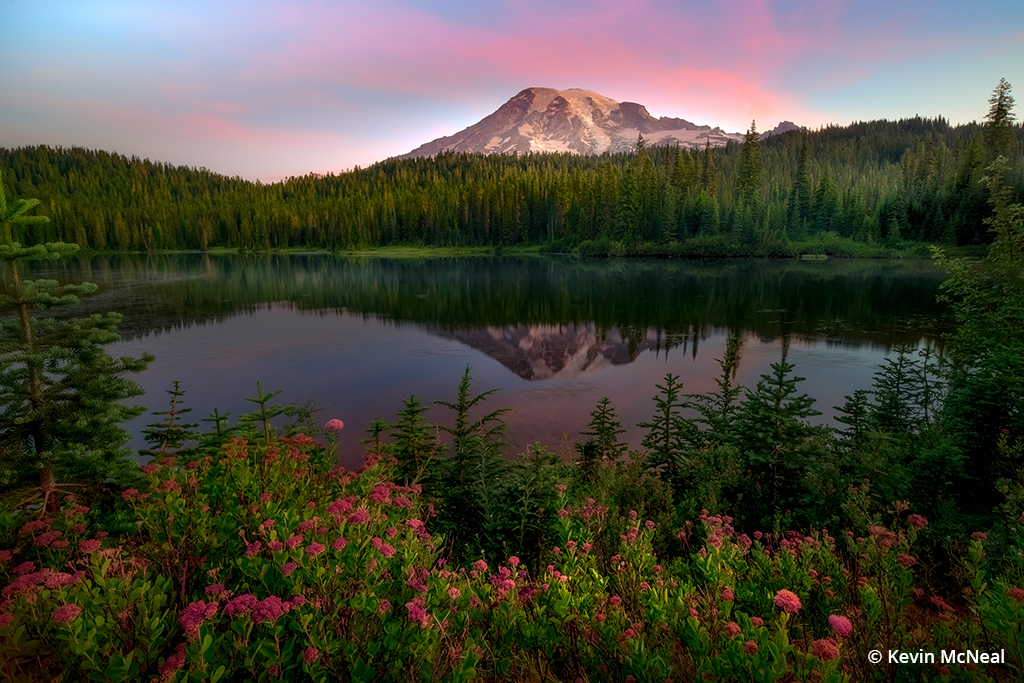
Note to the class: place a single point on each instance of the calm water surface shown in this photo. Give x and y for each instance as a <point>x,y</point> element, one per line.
<point>552,335</point>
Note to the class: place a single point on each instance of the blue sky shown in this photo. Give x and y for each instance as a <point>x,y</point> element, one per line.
<point>265,90</point>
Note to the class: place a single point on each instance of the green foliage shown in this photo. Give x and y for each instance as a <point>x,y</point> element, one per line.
<point>669,434</point>
<point>778,445</point>
<point>858,181</point>
<point>986,378</point>
<point>719,410</point>
<point>257,564</point>
<point>413,444</point>
<point>1000,124</point>
<point>474,480</point>
<point>604,431</point>
<point>171,433</point>
<point>61,394</point>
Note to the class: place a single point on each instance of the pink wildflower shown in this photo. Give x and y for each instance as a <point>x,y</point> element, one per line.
<point>560,488</point>
<point>312,654</point>
<point>293,541</point>
<point>339,543</point>
<point>288,568</point>
<point>417,614</point>
<point>454,593</point>
<point>732,629</point>
<point>66,613</point>
<point>172,664</point>
<point>269,610</point>
<point>906,560</point>
<point>750,647</point>
<point>787,601</point>
<point>334,425</point>
<point>359,517</point>
<point>193,616</point>
<point>275,546</point>
<point>252,548</point>
<point>384,606</point>
<point>917,521</point>
<point>47,537</point>
<point>841,626</point>
<point>170,485</point>
<point>825,649</point>
<point>979,536</point>
<point>314,549</point>
<point>1015,593</point>
<point>25,568</point>
<point>150,468</point>
<point>129,493</point>
<point>240,605</point>
<point>728,595</point>
<point>757,622</point>
<point>215,589</point>
<point>6,555</point>
<point>339,506</point>
<point>387,550</point>
<point>480,566</point>
<point>514,561</point>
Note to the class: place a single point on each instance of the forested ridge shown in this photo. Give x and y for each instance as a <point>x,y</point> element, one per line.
<point>878,183</point>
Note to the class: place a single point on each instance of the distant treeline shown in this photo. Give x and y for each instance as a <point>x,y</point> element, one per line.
<point>879,183</point>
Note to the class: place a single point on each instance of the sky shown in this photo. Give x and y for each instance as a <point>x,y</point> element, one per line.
<point>267,90</point>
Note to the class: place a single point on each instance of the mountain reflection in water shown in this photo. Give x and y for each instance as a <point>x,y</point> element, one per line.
<point>360,334</point>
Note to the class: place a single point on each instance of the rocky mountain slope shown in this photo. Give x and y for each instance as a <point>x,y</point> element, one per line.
<point>574,120</point>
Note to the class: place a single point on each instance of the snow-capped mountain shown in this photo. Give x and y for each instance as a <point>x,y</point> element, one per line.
<point>573,120</point>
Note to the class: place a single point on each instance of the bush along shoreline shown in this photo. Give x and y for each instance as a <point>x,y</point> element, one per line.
<point>261,562</point>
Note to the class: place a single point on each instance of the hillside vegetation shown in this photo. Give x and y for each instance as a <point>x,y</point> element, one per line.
<point>875,184</point>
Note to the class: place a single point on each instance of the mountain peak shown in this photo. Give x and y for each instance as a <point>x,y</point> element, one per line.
<point>572,120</point>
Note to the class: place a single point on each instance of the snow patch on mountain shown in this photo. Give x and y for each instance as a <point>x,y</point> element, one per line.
<point>575,120</point>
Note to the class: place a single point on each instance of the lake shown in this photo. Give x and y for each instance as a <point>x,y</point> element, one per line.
<point>357,335</point>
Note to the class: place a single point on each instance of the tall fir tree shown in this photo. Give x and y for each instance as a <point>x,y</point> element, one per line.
<point>801,193</point>
<point>708,174</point>
<point>61,394</point>
<point>750,172</point>
<point>1000,134</point>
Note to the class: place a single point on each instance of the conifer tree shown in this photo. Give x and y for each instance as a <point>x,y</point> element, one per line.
<point>985,399</point>
<point>708,174</point>
<point>749,175</point>
<point>999,124</point>
<point>61,394</point>
<point>778,444</point>
<point>669,434</point>
<point>800,195</point>
<point>605,429</point>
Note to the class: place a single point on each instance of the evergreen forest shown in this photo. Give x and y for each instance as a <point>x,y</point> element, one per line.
<point>877,184</point>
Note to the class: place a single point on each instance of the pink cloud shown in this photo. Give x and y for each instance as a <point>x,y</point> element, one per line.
<point>629,51</point>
